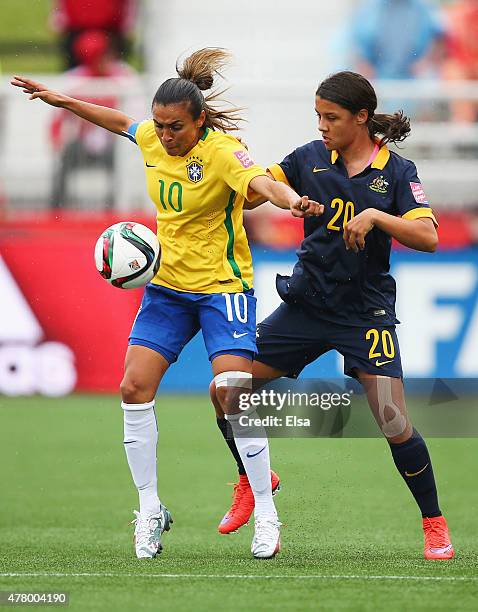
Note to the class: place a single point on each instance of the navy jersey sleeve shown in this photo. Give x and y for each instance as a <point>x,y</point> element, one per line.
<point>286,172</point>
<point>411,201</point>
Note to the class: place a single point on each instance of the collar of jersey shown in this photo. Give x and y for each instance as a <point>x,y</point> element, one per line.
<point>379,162</point>
<point>204,136</point>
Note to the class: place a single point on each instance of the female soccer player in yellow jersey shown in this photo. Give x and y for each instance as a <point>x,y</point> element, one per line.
<point>198,177</point>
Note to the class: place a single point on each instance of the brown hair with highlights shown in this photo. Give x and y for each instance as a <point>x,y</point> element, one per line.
<point>197,74</point>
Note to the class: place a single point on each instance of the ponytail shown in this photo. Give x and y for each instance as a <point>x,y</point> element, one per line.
<point>202,65</point>
<point>392,128</point>
<point>195,76</point>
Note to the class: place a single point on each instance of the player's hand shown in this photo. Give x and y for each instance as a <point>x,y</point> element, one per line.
<point>357,228</point>
<point>306,208</point>
<point>37,90</point>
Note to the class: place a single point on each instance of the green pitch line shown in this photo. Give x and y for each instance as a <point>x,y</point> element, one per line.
<point>351,538</point>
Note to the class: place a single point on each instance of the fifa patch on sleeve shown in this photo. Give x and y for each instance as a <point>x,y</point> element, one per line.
<point>244,158</point>
<point>418,193</point>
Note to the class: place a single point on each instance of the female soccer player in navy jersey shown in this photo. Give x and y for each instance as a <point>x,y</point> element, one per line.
<point>341,295</point>
<point>199,178</point>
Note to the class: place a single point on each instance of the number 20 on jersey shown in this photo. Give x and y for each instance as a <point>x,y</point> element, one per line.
<point>344,212</point>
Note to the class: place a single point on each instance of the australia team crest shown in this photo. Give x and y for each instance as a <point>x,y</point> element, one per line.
<point>195,169</point>
<point>379,184</point>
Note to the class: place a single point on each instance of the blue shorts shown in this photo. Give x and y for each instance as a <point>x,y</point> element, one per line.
<point>290,338</point>
<point>167,320</point>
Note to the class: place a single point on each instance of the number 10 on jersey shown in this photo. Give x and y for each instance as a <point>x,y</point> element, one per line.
<point>239,301</point>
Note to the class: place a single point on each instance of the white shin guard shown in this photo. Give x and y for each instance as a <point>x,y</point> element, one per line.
<point>140,441</point>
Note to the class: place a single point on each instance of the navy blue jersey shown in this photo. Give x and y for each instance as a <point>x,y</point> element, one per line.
<point>336,284</point>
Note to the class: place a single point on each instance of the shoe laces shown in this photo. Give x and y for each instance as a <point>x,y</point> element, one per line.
<point>266,527</point>
<point>240,489</point>
<point>146,529</point>
<point>435,534</point>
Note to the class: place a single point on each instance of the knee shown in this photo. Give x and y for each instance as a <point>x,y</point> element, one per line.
<point>229,387</point>
<point>212,391</point>
<point>401,437</point>
<point>222,397</point>
<point>215,401</point>
<point>134,390</point>
<point>229,400</point>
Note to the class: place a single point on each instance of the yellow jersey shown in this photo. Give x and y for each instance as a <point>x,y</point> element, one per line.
<point>199,199</point>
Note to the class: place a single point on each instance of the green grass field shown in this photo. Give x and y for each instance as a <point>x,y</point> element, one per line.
<point>351,539</point>
<point>28,44</point>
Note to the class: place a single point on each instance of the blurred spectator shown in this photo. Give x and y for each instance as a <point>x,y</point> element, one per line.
<point>396,39</point>
<point>392,39</point>
<point>462,54</point>
<point>72,17</point>
<point>79,143</point>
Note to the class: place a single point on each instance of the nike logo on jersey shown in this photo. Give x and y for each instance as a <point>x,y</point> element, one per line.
<point>236,335</point>
<point>250,455</point>
<point>314,169</point>
<point>150,165</point>
<point>381,363</point>
<point>410,475</point>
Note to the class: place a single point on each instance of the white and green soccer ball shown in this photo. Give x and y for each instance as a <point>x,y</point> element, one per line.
<point>127,255</point>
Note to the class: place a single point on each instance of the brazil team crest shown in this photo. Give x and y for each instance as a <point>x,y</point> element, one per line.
<point>379,184</point>
<point>195,169</point>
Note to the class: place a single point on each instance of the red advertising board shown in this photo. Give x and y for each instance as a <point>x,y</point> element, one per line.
<point>50,261</point>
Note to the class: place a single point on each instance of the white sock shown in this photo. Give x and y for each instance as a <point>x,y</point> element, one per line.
<point>140,440</point>
<point>253,447</point>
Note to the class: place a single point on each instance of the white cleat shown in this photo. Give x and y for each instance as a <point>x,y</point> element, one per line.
<point>266,540</point>
<point>148,531</point>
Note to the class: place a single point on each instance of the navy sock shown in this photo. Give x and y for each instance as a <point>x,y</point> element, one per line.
<point>226,431</point>
<point>414,464</point>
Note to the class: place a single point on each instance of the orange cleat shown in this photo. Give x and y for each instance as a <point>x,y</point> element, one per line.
<point>243,504</point>
<point>437,539</point>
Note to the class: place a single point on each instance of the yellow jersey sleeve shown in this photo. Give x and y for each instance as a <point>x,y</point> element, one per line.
<point>144,132</point>
<point>237,167</point>
<point>420,213</point>
<point>278,174</point>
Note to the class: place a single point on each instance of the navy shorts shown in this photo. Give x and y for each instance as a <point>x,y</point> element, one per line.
<point>290,338</point>
<point>167,320</point>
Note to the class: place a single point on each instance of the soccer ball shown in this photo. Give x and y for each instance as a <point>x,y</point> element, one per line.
<point>127,255</point>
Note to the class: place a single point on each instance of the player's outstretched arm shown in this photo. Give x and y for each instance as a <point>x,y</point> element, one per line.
<point>283,196</point>
<point>254,203</point>
<point>257,200</point>
<point>108,118</point>
<point>419,234</point>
